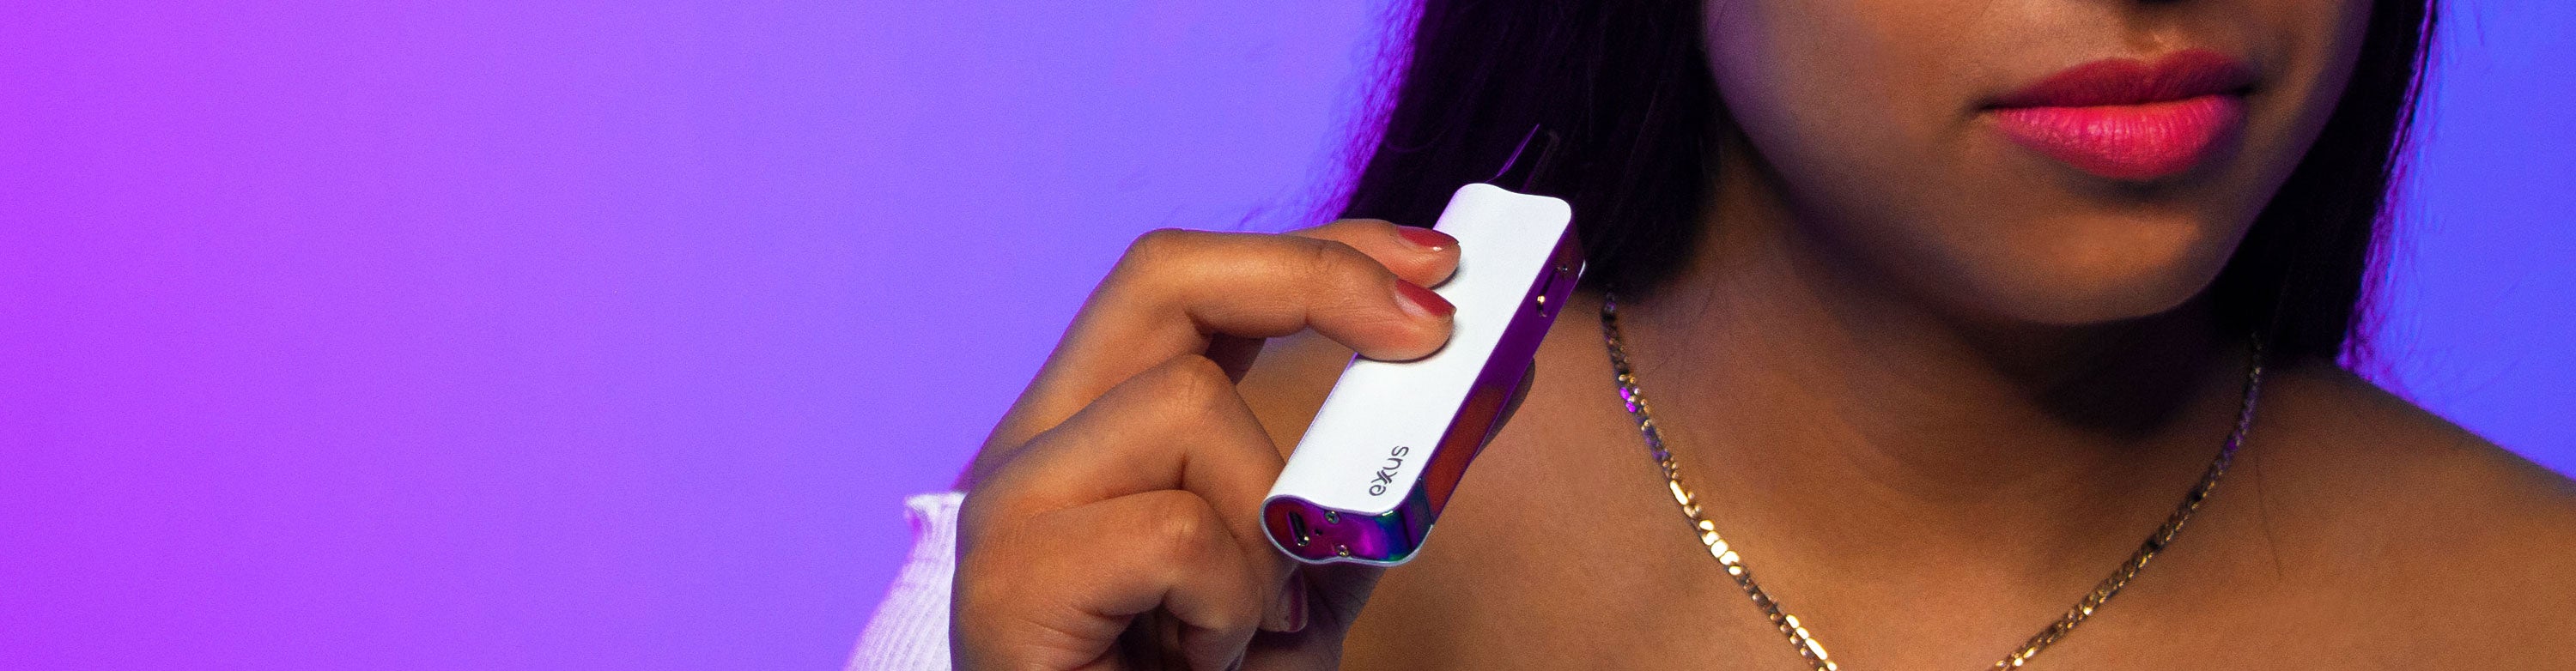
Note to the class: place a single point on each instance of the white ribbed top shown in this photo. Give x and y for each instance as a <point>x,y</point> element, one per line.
<point>910,629</point>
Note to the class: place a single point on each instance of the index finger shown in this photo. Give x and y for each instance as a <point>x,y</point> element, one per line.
<point>1177,292</point>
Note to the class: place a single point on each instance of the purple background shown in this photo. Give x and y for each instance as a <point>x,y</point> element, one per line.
<point>517,335</point>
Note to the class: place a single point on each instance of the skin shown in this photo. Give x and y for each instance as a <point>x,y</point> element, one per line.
<point>1933,386</point>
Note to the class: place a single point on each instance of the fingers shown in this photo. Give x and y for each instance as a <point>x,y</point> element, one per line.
<point>1020,604</point>
<point>1175,292</point>
<point>1418,255</point>
<point>1176,427</point>
<point>1120,498</point>
<point>1179,425</point>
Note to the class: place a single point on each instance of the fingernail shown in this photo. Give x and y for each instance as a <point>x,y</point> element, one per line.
<point>1422,302</point>
<point>1283,614</point>
<point>1295,594</point>
<point>1426,238</point>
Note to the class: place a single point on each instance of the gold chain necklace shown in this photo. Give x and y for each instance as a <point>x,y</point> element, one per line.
<point>1797,633</point>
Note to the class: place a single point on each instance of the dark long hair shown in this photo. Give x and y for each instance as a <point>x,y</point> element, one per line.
<point>1628,85</point>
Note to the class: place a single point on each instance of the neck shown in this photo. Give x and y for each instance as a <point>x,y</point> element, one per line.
<point>1836,413</point>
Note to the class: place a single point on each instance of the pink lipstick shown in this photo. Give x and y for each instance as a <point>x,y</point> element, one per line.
<point>2128,119</point>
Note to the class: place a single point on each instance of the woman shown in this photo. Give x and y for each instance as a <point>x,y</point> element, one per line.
<point>1957,315</point>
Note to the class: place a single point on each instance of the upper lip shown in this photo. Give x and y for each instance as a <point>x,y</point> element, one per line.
<point>2180,75</point>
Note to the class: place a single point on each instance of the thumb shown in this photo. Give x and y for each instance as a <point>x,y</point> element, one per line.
<point>1329,597</point>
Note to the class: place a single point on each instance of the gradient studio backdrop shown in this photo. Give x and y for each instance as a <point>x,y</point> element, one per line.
<point>535,335</point>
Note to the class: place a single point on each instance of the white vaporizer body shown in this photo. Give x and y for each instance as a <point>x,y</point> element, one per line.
<point>1383,454</point>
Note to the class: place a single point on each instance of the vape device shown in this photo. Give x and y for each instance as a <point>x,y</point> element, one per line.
<point>1391,441</point>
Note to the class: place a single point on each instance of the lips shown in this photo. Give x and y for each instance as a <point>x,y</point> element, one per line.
<point>2131,120</point>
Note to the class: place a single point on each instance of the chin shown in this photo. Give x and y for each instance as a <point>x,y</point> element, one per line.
<point>2099,271</point>
<point>2095,302</point>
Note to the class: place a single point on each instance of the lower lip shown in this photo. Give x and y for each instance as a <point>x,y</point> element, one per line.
<point>2128,142</point>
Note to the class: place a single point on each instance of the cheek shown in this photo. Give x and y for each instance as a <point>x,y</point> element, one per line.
<point>1862,109</point>
<point>2315,44</point>
<point>1837,93</point>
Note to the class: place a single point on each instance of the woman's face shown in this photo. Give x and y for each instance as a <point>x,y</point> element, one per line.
<point>2048,161</point>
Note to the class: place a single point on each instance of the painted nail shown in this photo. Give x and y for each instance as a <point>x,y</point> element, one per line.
<point>1422,302</point>
<point>1426,238</point>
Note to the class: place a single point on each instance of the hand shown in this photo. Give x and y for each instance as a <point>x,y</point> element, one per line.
<point>1112,520</point>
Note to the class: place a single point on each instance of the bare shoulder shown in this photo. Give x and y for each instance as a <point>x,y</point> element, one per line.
<point>2440,538</point>
<point>2385,438</point>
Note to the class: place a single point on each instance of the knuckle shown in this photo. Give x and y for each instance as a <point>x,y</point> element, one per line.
<point>1329,257</point>
<point>1157,245</point>
<point>1339,266</point>
<point>1191,385</point>
<point>1345,281</point>
<point>1181,528</point>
